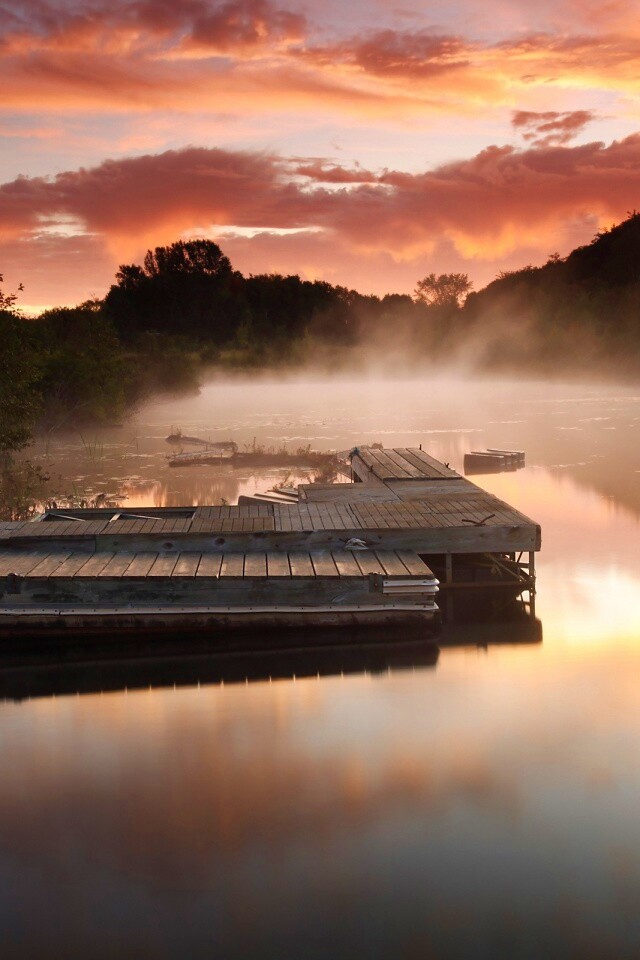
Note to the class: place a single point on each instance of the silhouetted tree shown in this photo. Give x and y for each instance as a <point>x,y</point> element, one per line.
<point>447,290</point>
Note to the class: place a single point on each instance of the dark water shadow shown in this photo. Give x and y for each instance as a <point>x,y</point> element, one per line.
<point>178,664</point>
<point>133,664</point>
<point>518,630</point>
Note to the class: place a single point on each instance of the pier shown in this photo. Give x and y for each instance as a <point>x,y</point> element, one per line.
<point>371,552</point>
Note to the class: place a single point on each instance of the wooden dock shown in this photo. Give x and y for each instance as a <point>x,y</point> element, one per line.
<point>371,551</point>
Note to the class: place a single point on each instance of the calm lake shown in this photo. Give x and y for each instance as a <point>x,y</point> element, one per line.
<point>480,803</point>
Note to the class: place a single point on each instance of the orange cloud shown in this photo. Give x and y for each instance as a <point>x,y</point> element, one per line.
<point>499,204</point>
<point>551,128</point>
<point>256,56</point>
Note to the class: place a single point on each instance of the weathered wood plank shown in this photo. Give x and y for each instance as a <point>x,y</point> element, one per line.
<point>187,565</point>
<point>409,468</point>
<point>118,564</point>
<point>345,563</point>
<point>209,565</point>
<point>95,564</point>
<point>432,467</point>
<point>413,563</point>
<point>46,567</point>
<point>278,564</point>
<point>164,565</point>
<point>323,564</point>
<point>368,562</point>
<point>300,563</point>
<point>140,565</point>
<point>232,565</point>
<point>20,562</point>
<point>71,565</point>
<point>255,565</point>
<point>391,563</point>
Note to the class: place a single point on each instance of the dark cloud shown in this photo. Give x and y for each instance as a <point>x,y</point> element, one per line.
<point>551,128</point>
<point>390,53</point>
<point>489,205</point>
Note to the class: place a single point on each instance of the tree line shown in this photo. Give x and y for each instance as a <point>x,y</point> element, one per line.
<point>185,307</point>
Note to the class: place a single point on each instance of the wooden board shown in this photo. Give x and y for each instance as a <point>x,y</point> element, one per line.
<point>117,565</point>
<point>368,562</point>
<point>164,565</point>
<point>413,563</point>
<point>95,564</point>
<point>324,564</point>
<point>300,563</point>
<point>391,563</point>
<point>345,563</point>
<point>209,565</point>
<point>47,566</point>
<point>187,565</point>
<point>255,565</point>
<point>71,566</point>
<point>278,564</point>
<point>141,565</point>
<point>232,565</point>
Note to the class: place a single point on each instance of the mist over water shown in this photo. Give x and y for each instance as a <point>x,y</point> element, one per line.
<point>483,806</point>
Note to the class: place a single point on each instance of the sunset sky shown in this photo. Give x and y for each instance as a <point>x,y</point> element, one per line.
<point>365,144</point>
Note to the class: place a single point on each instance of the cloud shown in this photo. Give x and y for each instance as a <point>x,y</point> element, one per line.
<point>259,56</point>
<point>491,208</point>
<point>390,53</point>
<point>551,128</point>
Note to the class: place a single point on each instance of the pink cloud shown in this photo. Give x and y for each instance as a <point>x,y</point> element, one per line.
<point>257,56</point>
<point>551,128</point>
<point>490,209</point>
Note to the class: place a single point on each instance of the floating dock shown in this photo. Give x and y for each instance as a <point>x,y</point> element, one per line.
<point>370,553</point>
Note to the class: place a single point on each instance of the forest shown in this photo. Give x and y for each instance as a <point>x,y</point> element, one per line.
<point>185,311</point>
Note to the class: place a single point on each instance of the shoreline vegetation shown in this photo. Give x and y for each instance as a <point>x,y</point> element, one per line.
<point>185,314</point>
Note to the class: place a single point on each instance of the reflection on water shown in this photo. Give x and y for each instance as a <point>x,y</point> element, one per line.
<point>483,804</point>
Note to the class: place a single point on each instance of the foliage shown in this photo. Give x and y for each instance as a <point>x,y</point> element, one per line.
<point>580,312</point>
<point>22,486</point>
<point>19,376</point>
<point>446,290</point>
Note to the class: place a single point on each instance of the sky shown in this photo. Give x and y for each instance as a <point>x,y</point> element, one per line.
<point>366,144</point>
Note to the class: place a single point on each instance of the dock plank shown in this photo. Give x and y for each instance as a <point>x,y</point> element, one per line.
<point>397,455</point>
<point>20,562</point>
<point>255,565</point>
<point>345,563</point>
<point>232,565</point>
<point>47,566</point>
<point>209,565</point>
<point>187,565</point>
<point>368,562</point>
<point>391,563</point>
<point>413,563</point>
<point>164,565</point>
<point>300,563</point>
<point>141,564</point>
<point>118,564</point>
<point>74,562</point>
<point>323,564</point>
<point>278,564</point>
<point>95,564</point>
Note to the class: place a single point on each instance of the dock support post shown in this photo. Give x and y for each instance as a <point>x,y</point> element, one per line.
<point>448,578</point>
<point>532,584</point>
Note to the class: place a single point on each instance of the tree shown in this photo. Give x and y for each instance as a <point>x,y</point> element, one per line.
<point>447,290</point>
<point>19,377</point>
<point>187,289</point>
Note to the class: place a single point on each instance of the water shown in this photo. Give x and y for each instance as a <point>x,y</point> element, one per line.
<point>483,805</point>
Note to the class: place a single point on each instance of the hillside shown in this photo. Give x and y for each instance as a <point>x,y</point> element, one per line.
<point>570,314</point>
